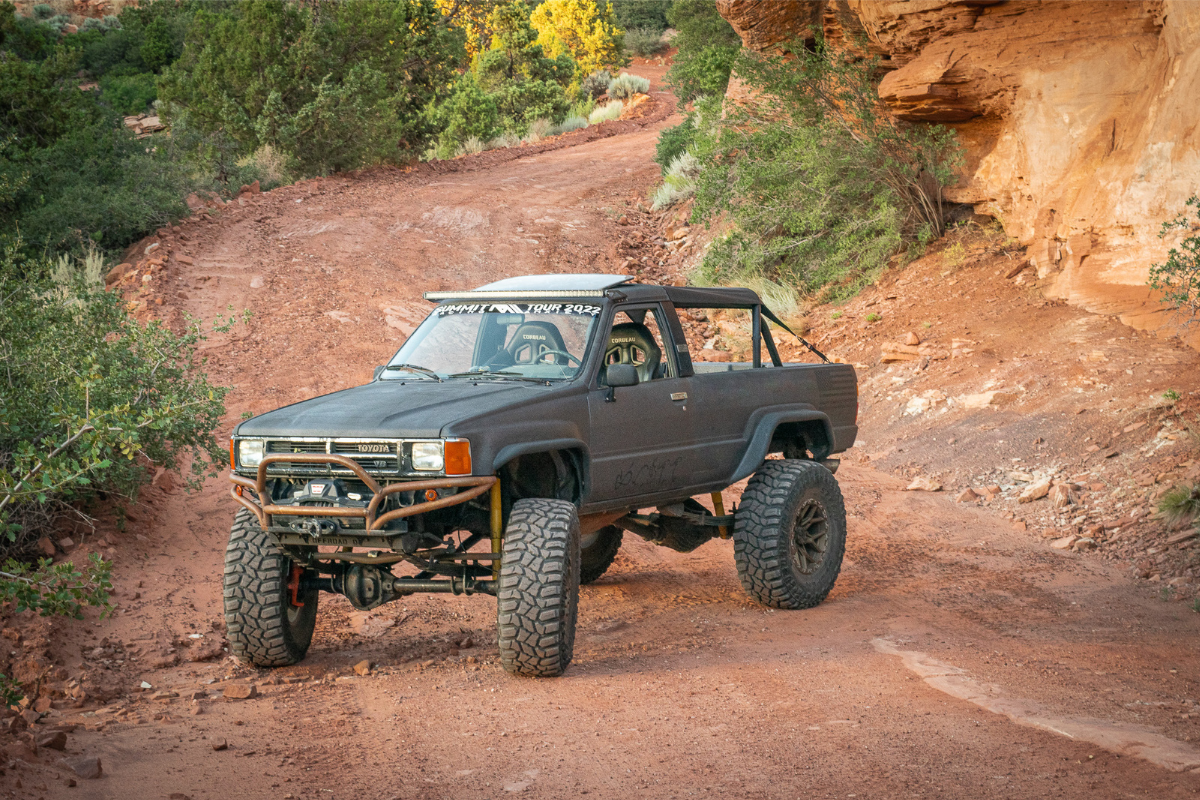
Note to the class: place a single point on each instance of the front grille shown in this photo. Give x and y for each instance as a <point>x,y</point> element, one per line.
<point>295,447</point>
<point>376,457</point>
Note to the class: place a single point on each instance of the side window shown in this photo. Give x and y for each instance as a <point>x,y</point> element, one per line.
<point>637,338</point>
<point>717,335</point>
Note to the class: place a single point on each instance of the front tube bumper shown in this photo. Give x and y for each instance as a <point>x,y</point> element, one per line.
<point>475,487</point>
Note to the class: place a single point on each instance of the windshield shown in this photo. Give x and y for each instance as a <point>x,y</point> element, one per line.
<point>499,341</point>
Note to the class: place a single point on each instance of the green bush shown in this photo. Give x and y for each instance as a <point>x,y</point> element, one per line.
<point>94,184</point>
<point>1177,280</point>
<point>523,83</point>
<point>707,48</point>
<point>674,141</point>
<point>623,87</point>
<point>631,14</point>
<point>826,191</point>
<point>468,112</point>
<point>43,11</point>
<point>644,42</point>
<point>90,399</point>
<point>130,94</point>
<point>333,86</point>
<point>596,84</point>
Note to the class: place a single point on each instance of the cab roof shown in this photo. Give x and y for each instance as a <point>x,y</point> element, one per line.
<point>614,287</point>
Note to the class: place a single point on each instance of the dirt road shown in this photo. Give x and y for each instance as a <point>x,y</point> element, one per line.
<point>955,658</point>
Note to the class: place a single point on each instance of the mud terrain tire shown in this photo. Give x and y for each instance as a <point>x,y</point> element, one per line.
<point>598,555</point>
<point>789,534</point>
<point>538,598</point>
<point>263,627</point>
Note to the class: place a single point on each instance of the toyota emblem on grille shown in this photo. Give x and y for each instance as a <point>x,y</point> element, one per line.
<point>373,448</point>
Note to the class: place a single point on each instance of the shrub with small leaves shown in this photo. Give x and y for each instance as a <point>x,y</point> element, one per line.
<point>90,398</point>
<point>1177,280</point>
<point>625,86</point>
<point>596,84</point>
<point>644,42</point>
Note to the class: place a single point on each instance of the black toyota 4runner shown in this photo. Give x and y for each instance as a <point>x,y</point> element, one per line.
<point>509,444</point>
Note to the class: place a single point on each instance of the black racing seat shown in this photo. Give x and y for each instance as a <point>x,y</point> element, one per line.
<point>533,339</point>
<point>632,343</point>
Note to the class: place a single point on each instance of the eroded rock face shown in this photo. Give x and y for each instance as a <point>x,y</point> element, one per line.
<point>1081,120</point>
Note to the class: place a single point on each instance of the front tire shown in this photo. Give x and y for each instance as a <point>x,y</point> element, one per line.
<point>789,534</point>
<point>262,624</point>
<point>597,551</point>
<point>538,598</point>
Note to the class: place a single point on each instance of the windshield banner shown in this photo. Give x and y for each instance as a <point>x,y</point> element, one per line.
<point>578,309</point>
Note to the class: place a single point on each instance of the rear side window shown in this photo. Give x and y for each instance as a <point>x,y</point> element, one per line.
<point>717,335</point>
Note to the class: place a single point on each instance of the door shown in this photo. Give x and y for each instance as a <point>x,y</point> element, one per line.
<point>641,438</point>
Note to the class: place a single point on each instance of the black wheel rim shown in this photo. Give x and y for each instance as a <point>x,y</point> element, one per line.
<point>810,537</point>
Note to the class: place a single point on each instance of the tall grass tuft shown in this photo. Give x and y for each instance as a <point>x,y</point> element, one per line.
<point>569,124</point>
<point>606,113</point>
<point>538,129</point>
<point>679,182</point>
<point>1181,504</point>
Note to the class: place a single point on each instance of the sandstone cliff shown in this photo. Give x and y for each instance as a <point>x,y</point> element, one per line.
<point>1079,119</point>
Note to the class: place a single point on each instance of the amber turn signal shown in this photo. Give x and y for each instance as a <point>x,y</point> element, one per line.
<point>232,464</point>
<point>458,457</point>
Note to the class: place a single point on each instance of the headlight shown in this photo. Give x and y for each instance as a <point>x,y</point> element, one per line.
<point>427,456</point>
<point>250,452</point>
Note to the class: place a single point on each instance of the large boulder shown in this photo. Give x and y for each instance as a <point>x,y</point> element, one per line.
<point>1079,119</point>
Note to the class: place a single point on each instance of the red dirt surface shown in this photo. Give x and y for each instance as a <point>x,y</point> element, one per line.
<point>681,686</point>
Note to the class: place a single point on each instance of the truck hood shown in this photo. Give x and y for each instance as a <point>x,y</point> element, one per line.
<point>390,409</point>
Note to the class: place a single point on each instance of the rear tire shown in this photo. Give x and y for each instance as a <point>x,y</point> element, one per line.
<point>789,534</point>
<point>597,556</point>
<point>263,626</point>
<point>538,597</point>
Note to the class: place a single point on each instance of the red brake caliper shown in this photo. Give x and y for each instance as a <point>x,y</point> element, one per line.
<point>293,585</point>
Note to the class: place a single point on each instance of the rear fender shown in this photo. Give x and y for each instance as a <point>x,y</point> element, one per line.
<point>806,428</point>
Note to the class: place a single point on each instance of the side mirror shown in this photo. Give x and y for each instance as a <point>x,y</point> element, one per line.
<point>619,375</point>
<point>378,372</point>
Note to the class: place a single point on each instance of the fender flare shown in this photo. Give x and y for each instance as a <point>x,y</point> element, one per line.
<point>509,452</point>
<point>764,431</point>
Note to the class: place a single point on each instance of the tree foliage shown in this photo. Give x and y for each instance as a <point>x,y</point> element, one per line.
<point>821,183</point>
<point>648,14</point>
<point>582,29</point>
<point>1177,280</point>
<point>332,85</point>
<point>708,47</point>
<point>88,396</point>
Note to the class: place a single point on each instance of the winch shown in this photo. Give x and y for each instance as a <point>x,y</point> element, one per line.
<point>329,493</point>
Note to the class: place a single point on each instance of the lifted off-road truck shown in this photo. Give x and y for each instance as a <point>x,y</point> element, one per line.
<point>520,431</point>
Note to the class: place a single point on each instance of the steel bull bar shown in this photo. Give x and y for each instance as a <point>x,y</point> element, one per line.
<point>475,486</point>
